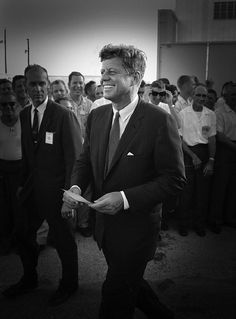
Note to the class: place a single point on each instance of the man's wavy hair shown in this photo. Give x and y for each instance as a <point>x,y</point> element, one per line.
<point>134,60</point>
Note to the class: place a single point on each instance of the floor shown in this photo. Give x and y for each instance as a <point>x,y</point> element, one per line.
<point>194,276</point>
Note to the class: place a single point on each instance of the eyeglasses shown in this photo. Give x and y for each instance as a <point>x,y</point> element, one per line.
<point>201,95</point>
<point>161,94</point>
<point>11,104</point>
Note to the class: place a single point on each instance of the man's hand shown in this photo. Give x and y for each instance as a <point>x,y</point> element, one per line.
<point>169,98</point>
<point>109,203</point>
<point>208,169</point>
<point>70,202</point>
<point>67,212</point>
<point>196,162</point>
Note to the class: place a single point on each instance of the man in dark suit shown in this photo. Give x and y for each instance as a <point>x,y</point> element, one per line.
<point>51,143</point>
<point>129,181</point>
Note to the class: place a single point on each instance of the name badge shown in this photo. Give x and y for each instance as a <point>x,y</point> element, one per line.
<point>49,138</point>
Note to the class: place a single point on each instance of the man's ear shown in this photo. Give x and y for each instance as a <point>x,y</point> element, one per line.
<point>136,78</point>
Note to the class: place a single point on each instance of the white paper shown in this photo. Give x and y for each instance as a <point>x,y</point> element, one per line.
<point>49,138</point>
<point>76,197</point>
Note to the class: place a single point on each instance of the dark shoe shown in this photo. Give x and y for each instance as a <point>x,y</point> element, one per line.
<point>150,305</point>
<point>85,231</point>
<point>215,228</point>
<point>61,295</point>
<point>20,288</point>
<point>200,232</point>
<point>183,231</point>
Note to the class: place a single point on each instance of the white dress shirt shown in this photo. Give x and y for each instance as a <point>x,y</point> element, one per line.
<point>124,118</point>
<point>41,108</point>
<point>181,103</point>
<point>197,127</point>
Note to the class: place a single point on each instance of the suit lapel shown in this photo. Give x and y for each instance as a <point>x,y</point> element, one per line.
<point>129,133</point>
<point>46,119</point>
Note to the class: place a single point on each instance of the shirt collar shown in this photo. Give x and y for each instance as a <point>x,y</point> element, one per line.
<point>128,110</point>
<point>41,108</point>
<point>183,101</point>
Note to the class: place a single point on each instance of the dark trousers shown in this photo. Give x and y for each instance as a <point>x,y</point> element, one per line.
<point>193,203</point>
<point>124,287</point>
<point>9,182</point>
<point>223,199</point>
<point>63,240</point>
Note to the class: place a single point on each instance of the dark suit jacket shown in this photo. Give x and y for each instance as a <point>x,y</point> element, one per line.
<point>154,172</point>
<point>47,167</point>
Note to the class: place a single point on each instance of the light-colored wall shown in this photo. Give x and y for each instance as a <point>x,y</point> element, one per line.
<point>190,58</point>
<point>196,23</point>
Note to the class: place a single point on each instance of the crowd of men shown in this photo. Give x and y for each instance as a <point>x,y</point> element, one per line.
<point>139,153</point>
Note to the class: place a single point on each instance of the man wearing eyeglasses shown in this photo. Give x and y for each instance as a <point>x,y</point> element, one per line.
<point>127,159</point>
<point>10,165</point>
<point>162,98</point>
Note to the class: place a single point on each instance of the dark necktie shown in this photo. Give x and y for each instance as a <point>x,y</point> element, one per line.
<point>35,126</point>
<point>113,139</point>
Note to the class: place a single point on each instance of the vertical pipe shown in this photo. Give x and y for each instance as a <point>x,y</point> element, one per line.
<point>5,49</point>
<point>207,60</point>
<point>28,52</point>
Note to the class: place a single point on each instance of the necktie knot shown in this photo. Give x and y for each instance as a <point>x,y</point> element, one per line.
<point>117,116</point>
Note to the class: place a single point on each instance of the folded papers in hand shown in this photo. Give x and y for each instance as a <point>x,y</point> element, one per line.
<point>76,197</point>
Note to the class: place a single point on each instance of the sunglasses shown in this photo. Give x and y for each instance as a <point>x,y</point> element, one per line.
<point>11,104</point>
<point>161,94</point>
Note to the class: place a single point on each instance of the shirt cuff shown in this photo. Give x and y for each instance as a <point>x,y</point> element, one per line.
<point>76,186</point>
<point>126,203</point>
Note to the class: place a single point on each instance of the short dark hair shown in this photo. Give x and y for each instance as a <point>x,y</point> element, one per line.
<point>88,86</point>
<point>35,67</point>
<point>172,88</point>
<point>74,73</point>
<point>133,59</point>
<point>17,78</point>
<point>158,84</point>
<point>164,80</point>
<point>182,80</point>
<point>5,81</point>
<point>212,91</point>
<point>142,84</point>
<point>225,87</point>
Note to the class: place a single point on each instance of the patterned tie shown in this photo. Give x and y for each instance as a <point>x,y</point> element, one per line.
<point>35,126</point>
<point>113,139</point>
